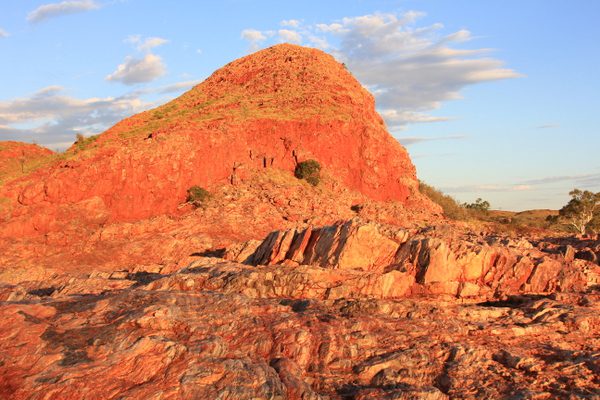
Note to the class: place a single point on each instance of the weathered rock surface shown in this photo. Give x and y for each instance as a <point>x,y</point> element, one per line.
<point>426,314</point>
<point>431,261</point>
<point>272,199</point>
<point>208,331</point>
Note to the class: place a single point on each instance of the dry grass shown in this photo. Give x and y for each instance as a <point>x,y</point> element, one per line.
<point>452,209</point>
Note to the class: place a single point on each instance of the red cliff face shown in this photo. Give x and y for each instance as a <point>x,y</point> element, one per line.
<point>270,109</point>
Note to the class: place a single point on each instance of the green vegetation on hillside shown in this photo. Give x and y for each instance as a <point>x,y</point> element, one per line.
<point>309,170</point>
<point>198,196</point>
<point>82,142</point>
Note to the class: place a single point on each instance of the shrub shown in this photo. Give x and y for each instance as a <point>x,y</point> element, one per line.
<point>357,208</point>
<point>309,170</point>
<point>198,196</point>
<point>452,209</point>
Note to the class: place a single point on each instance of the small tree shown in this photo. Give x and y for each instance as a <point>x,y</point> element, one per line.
<point>582,212</point>
<point>79,139</point>
<point>479,205</point>
<point>309,170</point>
<point>22,160</point>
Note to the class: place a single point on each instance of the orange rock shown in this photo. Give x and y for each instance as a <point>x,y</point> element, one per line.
<point>428,263</point>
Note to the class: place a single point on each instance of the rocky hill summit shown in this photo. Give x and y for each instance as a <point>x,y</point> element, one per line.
<point>271,109</point>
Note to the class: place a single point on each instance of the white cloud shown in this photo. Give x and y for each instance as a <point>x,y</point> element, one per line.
<point>294,23</point>
<point>397,119</point>
<point>145,44</point>
<point>63,8</point>
<point>331,28</point>
<point>415,66</point>
<point>411,70</point>
<point>254,37</point>
<point>52,118</point>
<point>286,35</point>
<point>138,70</point>
<point>3,33</point>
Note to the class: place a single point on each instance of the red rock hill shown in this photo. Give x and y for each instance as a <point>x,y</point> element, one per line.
<point>270,109</point>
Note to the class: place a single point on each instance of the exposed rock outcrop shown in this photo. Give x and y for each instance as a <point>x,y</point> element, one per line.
<point>203,332</point>
<point>351,310</point>
<point>432,261</point>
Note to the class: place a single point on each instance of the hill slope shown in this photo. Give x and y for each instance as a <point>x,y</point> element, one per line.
<point>270,109</point>
<point>18,158</point>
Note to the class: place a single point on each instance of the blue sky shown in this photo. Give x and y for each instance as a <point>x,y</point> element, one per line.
<point>493,99</point>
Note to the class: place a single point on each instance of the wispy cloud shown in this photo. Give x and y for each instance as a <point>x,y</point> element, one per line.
<point>294,23</point>
<point>146,44</point>
<point>408,140</point>
<point>486,188</point>
<point>410,69</point>
<point>581,179</point>
<point>473,188</point>
<point>548,126</point>
<point>52,10</point>
<point>591,180</point>
<point>3,33</point>
<point>429,155</point>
